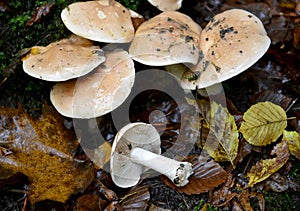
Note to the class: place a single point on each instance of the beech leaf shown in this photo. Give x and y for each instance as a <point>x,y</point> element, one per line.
<point>222,142</point>
<point>265,168</point>
<point>292,139</point>
<point>208,174</point>
<point>263,123</point>
<point>43,151</point>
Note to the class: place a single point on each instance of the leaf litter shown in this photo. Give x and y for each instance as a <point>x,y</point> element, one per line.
<point>43,150</point>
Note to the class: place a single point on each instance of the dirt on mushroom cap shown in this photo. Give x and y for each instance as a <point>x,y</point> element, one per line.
<point>168,38</point>
<point>231,42</point>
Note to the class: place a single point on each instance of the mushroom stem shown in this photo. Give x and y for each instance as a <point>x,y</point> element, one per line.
<point>177,172</point>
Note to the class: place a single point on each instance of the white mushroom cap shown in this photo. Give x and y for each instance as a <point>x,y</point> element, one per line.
<point>231,42</point>
<point>168,38</point>
<point>124,172</point>
<point>99,92</point>
<point>63,60</point>
<point>166,5</point>
<point>103,21</point>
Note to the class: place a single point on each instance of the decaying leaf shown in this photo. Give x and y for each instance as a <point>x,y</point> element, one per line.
<point>137,199</point>
<point>40,11</point>
<point>43,150</point>
<point>292,139</point>
<point>208,174</point>
<point>265,168</point>
<point>222,142</point>
<point>271,96</point>
<point>263,123</point>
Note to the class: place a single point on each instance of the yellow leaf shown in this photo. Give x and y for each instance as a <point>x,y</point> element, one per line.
<point>265,168</point>
<point>222,142</point>
<point>43,151</point>
<point>292,139</point>
<point>102,154</point>
<point>263,123</point>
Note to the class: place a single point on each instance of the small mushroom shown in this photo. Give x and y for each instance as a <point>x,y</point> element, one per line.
<point>99,92</point>
<point>231,43</point>
<point>136,148</point>
<point>63,60</point>
<point>166,5</point>
<point>168,38</point>
<point>103,21</point>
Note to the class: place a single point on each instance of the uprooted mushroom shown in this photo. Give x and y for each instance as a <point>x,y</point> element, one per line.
<point>136,149</point>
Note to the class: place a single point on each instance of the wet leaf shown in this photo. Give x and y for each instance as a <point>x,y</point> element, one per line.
<point>43,150</point>
<point>276,98</point>
<point>265,168</point>
<point>136,199</point>
<point>88,202</point>
<point>40,11</point>
<point>263,123</point>
<point>222,142</point>
<point>208,174</point>
<point>292,139</point>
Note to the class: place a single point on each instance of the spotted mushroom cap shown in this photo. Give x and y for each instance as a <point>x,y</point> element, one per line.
<point>63,60</point>
<point>124,172</point>
<point>99,92</point>
<point>168,38</point>
<point>166,5</point>
<point>103,21</point>
<point>231,42</point>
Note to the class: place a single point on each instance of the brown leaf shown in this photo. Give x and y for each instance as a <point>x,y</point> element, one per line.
<point>43,150</point>
<point>136,199</point>
<point>40,11</point>
<point>276,98</point>
<point>208,174</point>
<point>265,168</point>
<point>224,194</point>
<point>88,202</point>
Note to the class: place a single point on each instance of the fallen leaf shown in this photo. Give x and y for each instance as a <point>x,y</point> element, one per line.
<point>263,123</point>
<point>88,202</point>
<point>102,154</point>
<point>222,141</point>
<point>292,139</point>
<point>265,168</point>
<point>137,199</point>
<point>225,193</point>
<point>276,98</point>
<point>208,174</point>
<point>43,151</point>
<point>40,11</point>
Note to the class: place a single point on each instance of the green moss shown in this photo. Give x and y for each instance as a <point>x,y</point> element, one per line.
<point>132,4</point>
<point>285,201</point>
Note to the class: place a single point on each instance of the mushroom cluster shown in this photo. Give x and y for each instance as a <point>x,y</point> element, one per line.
<point>92,82</point>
